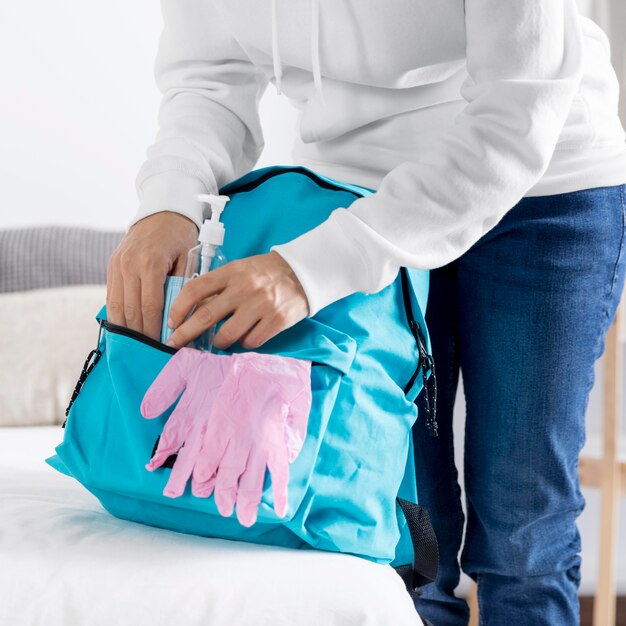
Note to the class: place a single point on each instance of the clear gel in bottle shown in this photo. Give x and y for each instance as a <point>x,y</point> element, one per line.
<point>207,255</point>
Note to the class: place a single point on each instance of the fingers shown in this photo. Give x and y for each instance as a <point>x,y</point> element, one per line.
<point>250,489</point>
<point>196,291</point>
<point>236,326</point>
<point>132,302</point>
<point>230,469</point>
<point>135,299</point>
<point>178,268</point>
<point>150,249</point>
<point>207,314</point>
<point>267,327</point>
<point>260,288</point>
<point>115,293</point>
<point>278,465</point>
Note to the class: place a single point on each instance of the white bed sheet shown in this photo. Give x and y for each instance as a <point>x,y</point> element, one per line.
<point>65,561</point>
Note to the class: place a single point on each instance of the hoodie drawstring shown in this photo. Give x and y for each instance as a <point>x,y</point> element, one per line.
<point>278,70</point>
<point>315,48</point>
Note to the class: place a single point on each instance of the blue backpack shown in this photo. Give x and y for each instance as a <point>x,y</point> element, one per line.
<point>352,488</point>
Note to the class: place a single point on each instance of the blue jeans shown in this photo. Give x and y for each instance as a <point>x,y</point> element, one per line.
<point>524,314</point>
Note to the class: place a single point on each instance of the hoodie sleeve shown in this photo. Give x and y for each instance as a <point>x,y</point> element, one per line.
<point>524,62</point>
<point>209,127</point>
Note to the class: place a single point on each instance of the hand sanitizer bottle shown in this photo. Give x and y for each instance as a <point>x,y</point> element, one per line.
<point>207,255</point>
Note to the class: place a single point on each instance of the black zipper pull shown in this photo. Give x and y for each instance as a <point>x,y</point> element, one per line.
<point>427,364</point>
<point>92,358</point>
<point>431,409</point>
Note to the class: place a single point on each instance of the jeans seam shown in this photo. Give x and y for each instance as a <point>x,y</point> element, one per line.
<point>621,244</point>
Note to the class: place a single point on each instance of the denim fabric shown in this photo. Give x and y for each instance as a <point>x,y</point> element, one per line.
<point>523,314</point>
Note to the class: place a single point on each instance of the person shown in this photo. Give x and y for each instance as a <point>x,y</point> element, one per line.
<point>489,132</point>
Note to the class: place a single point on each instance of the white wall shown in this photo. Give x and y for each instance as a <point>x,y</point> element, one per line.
<point>78,109</point>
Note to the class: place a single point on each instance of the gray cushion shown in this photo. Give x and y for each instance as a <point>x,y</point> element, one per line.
<point>54,256</point>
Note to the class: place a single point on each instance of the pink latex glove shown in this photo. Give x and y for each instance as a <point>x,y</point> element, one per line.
<point>198,375</point>
<point>258,421</point>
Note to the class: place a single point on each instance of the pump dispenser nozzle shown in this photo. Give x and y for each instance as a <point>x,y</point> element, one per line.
<point>212,231</point>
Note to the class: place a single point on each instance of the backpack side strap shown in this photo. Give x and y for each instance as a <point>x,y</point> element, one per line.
<point>425,548</point>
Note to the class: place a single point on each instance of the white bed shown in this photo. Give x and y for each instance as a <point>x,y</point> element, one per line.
<point>64,561</point>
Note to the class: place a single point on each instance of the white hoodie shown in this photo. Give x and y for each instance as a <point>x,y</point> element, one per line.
<point>451,110</point>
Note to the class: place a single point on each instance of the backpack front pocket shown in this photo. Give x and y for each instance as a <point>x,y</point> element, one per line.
<point>108,442</point>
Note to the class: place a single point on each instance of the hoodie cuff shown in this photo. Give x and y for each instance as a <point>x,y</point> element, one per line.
<point>328,261</point>
<point>172,191</point>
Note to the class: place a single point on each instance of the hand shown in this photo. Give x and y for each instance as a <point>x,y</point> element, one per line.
<point>261,293</point>
<point>153,248</point>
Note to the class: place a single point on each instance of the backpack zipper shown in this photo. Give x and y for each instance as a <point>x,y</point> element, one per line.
<point>299,170</point>
<point>137,336</point>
